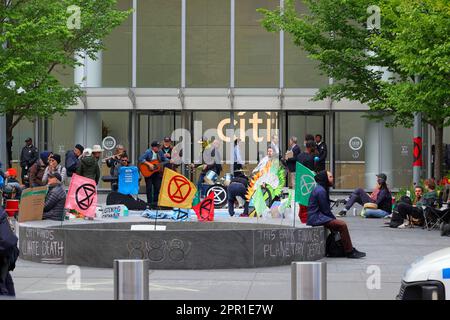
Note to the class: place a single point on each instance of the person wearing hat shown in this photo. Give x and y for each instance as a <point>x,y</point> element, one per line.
<point>55,198</point>
<point>28,156</point>
<point>12,187</point>
<point>153,183</point>
<point>54,165</point>
<point>36,172</point>
<point>73,159</point>
<point>381,200</point>
<point>167,149</point>
<point>89,163</point>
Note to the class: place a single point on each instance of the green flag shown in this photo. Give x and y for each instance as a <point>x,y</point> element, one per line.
<point>259,202</point>
<point>304,184</point>
<point>196,199</point>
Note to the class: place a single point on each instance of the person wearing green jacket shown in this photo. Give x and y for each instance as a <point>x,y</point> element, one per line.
<point>89,167</point>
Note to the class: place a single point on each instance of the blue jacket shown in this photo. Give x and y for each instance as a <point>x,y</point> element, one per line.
<point>147,156</point>
<point>319,211</point>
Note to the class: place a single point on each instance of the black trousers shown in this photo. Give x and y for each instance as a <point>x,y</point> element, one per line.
<point>406,210</point>
<point>153,186</point>
<point>236,189</point>
<point>22,176</point>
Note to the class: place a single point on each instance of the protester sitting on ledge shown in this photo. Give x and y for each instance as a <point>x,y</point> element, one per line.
<point>381,196</point>
<point>12,187</point>
<point>55,199</point>
<point>319,213</point>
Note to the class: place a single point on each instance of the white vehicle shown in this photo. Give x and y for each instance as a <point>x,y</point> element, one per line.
<point>428,278</point>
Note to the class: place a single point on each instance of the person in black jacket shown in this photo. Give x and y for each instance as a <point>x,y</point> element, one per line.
<point>237,187</point>
<point>320,214</point>
<point>73,159</point>
<point>291,159</point>
<point>8,255</point>
<point>306,157</point>
<point>55,199</point>
<point>28,157</point>
<point>321,148</point>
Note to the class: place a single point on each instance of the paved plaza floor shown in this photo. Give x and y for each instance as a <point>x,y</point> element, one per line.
<point>391,251</point>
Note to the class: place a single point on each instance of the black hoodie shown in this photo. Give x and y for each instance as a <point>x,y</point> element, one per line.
<point>322,179</point>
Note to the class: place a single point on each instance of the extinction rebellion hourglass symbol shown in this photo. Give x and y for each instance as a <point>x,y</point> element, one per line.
<point>85,195</point>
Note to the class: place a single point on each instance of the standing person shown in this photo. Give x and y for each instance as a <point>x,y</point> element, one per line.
<point>54,166</point>
<point>113,161</point>
<point>322,150</point>
<point>55,198</point>
<point>167,149</point>
<point>36,172</point>
<point>154,153</point>
<point>8,255</point>
<point>238,187</point>
<point>73,159</point>
<point>211,160</point>
<point>291,159</point>
<point>306,158</point>
<point>89,164</point>
<point>319,213</point>
<point>28,157</point>
<point>238,162</point>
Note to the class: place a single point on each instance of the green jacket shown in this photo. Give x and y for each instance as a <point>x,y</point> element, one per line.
<point>89,168</point>
<point>428,199</point>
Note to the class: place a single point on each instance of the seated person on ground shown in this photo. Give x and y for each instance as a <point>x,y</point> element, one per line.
<point>381,197</point>
<point>319,213</point>
<point>415,210</point>
<point>55,199</point>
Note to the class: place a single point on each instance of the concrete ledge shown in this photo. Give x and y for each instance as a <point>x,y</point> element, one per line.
<point>183,245</point>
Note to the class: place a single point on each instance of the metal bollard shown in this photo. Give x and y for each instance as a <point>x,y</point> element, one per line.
<point>309,280</point>
<point>131,280</point>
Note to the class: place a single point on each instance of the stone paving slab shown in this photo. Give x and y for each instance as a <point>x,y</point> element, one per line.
<point>392,250</point>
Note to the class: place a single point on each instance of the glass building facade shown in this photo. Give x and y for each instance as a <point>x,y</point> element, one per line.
<point>176,63</point>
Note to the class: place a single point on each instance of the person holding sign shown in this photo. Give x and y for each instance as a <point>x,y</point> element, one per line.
<point>319,213</point>
<point>55,199</point>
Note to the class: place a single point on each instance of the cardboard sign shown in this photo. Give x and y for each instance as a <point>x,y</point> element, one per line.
<point>31,207</point>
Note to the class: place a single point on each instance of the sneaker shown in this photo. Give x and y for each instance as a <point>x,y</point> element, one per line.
<point>355,254</point>
<point>403,225</point>
<point>342,213</point>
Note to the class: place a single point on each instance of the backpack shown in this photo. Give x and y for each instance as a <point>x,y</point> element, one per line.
<point>396,219</point>
<point>333,246</point>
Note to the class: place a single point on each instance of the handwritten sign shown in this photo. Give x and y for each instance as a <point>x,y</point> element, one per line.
<point>112,211</point>
<point>42,245</point>
<point>289,244</point>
